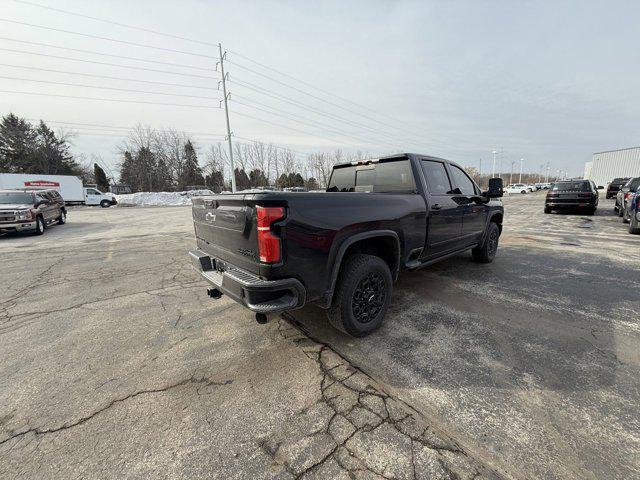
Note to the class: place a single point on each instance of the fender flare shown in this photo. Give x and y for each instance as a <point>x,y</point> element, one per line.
<point>350,241</point>
<point>495,213</point>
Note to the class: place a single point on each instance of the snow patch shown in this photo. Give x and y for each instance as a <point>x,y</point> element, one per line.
<point>159,199</point>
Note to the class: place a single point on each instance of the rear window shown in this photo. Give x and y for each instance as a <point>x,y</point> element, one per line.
<point>15,197</point>
<point>572,186</point>
<point>382,177</point>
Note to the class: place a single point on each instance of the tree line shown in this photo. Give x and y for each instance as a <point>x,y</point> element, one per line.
<point>167,159</point>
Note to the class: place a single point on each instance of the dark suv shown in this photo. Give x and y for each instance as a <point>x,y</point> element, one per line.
<point>574,195</point>
<point>30,210</point>
<point>615,186</point>
<point>623,195</point>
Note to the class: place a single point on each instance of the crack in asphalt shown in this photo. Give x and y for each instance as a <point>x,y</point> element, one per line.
<point>201,381</point>
<point>362,407</point>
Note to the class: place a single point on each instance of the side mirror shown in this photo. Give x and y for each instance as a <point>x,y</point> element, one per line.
<point>495,188</point>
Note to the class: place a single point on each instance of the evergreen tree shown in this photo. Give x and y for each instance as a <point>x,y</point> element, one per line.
<point>163,177</point>
<point>128,172</point>
<point>215,181</point>
<point>311,184</point>
<point>101,178</point>
<point>257,178</point>
<point>242,179</point>
<point>191,173</point>
<point>17,144</point>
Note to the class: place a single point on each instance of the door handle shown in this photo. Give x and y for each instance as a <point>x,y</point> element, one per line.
<point>436,207</point>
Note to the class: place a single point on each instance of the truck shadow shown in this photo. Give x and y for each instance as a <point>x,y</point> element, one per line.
<point>524,321</point>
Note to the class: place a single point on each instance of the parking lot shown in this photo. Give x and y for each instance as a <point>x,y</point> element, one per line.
<point>115,363</point>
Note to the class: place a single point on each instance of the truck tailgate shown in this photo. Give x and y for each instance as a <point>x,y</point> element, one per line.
<point>225,227</point>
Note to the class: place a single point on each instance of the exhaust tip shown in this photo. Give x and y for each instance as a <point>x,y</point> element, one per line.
<point>214,292</point>
<point>261,318</point>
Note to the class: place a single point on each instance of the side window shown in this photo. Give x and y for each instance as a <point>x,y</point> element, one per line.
<point>437,178</point>
<point>463,182</point>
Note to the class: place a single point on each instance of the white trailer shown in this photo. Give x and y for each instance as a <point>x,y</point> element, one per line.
<point>70,187</point>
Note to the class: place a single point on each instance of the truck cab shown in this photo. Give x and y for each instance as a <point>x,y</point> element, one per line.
<point>93,196</point>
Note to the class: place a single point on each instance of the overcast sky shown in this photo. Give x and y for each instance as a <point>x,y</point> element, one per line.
<point>544,81</point>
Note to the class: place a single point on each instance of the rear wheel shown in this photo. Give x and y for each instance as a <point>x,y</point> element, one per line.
<point>625,217</point>
<point>486,252</point>
<point>620,212</point>
<point>362,296</point>
<point>523,191</point>
<point>634,225</point>
<point>547,210</point>
<point>62,219</point>
<point>39,226</point>
<point>591,210</point>
<point>105,203</point>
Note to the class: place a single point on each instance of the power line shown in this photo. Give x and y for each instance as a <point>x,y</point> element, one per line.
<point>314,96</point>
<point>269,93</point>
<point>107,88</point>
<point>272,111</point>
<point>92,52</point>
<point>287,127</point>
<point>108,39</point>
<point>107,77</point>
<point>106,63</point>
<point>107,99</point>
<point>147,30</point>
<point>106,128</point>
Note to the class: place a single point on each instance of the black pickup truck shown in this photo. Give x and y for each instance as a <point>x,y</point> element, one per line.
<point>343,249</point>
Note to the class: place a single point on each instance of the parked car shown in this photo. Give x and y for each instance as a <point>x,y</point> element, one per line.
<point>532,187</point>
<point>624,193</point>
<point>30,210</point>
<point>343,249</point>
<point>572,194</point>
<point>542,186</point>
<point>614,187</point>
<point>633,212</point>
<point>516,188</point>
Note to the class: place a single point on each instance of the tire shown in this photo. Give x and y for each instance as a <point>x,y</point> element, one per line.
<point>620,212</point>
<point>523,191</point>
<point>486,252</point>
<point>547,210</point>
<point>634,225</point>
<point>105,203</point>
<point>362,278</point>
<point>591,211</point>
<point>39,225</point>
<point>63,218</point>
<point>625,218</point>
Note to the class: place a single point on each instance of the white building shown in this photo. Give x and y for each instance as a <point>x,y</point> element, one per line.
<point>606,166</point>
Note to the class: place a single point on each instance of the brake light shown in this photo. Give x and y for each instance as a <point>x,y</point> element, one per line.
<point>268,242</point>
<point>627,195</point>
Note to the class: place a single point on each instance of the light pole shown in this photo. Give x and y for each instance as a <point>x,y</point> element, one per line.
<point>493,169</point>
<point>520,177</point>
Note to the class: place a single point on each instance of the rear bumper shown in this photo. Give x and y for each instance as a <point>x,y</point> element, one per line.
<point>17,227</point>
<point>557,204</point>
<point>258,295</point>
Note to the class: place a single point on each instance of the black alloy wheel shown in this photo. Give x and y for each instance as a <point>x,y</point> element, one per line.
<point>368,298</point>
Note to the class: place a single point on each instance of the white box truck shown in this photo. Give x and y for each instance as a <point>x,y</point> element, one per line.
<point>70,187</point>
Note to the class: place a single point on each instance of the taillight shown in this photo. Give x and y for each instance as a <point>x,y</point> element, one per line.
<point>268,243</point>
<point>627,195</point>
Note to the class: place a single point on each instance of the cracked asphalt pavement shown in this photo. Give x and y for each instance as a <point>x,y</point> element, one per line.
<point>115,363</point>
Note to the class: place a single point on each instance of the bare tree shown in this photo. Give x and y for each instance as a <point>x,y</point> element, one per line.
<point>322,164</point>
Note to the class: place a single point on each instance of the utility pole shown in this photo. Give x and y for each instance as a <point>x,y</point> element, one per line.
<point>511,173</point>
<point>548,169</point>
<point>520,177</point>
<point>226,113</point>
<point>493,169</point>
